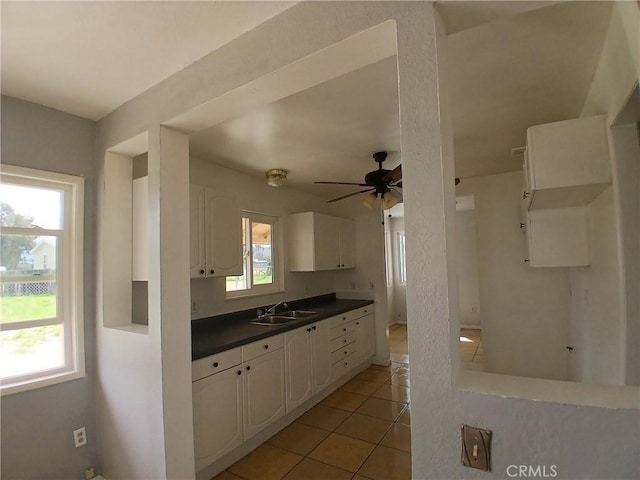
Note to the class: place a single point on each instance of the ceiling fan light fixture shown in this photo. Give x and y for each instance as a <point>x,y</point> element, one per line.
<point>370,200</point>
<point>389,200</point>
<point>276,177</point>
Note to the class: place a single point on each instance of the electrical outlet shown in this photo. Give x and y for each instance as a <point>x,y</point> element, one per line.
<point>195,305</point>
<point>80,437</point>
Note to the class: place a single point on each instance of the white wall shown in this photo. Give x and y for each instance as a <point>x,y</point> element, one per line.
<point>467,268</point>
<point>525,310</point>
<point>607,302</point>
<point>37,425</point>
<point>597,326</point>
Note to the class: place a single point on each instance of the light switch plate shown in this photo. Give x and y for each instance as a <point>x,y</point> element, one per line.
<point>476,448</point>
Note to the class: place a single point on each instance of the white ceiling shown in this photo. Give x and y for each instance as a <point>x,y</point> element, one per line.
<point>90,57</point>
<point>513,64</point>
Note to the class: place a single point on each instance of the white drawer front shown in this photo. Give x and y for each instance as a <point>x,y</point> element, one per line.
<point>342,353</point>
<point>349,316</point>
<point>343,329</point>
<point>342,341</point>
<point>215,363</point>
<point>342,367</point>
<point>262,347</point>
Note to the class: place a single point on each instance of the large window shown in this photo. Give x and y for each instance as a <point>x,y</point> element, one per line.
<point>41,261</point>
<point>261,262</point>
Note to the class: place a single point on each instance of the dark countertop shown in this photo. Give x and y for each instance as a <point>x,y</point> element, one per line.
<point>223,332</point>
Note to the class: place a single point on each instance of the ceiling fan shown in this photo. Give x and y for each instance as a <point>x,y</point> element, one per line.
<point>381,182</point>
<point>386,184</point>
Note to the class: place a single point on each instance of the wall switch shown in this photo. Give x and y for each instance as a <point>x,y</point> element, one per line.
<point>80,437</point>
<point>476,448</point>
<point>195,304</point>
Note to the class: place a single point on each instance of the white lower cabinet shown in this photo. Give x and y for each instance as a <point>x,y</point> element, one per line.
<point>307,362</point>
<point>263,391</point>
<point>217,414</point>
<point>239,392</point>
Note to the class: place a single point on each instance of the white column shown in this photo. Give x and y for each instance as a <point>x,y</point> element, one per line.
<point>169,291</point>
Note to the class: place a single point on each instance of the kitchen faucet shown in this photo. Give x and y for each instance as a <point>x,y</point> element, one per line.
<point>271,310</point>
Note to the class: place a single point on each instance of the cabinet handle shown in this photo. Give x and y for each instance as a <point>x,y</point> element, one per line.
<point>344,318</point>
<point>357,323</point>
<point>309,330</point>
<point>525,195</point>
<point>212,271</point>
<point>338,265</point>
<point>239,372</point>
<point>215,364</point>
<point>345,340</point>
<point>526,260</point>
<point>313,328</point>
<point>342,265</point>
<point>266,347</point>
<point>201,272</point>
<point>522,225</point>
<point>345,352</point>
<point>346,364</point>
<point>248,367</point>
<point>344,329</point>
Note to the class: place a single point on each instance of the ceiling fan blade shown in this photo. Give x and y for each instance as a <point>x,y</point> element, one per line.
<point>343,183</point>
<point>394,175</point>
<point>351,195</point>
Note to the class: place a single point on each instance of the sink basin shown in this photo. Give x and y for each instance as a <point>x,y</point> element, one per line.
<point>284,317</point>
<point>298,313</point>
<point>273,320</point>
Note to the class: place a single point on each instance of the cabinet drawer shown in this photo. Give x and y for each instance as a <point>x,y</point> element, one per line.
<point>342,353</point>
<point>215,363</point>
<point>262,347</point>
<point>342,367</point>
<point>349,316</point>
<point>340,330</point>
<point>342,341</point>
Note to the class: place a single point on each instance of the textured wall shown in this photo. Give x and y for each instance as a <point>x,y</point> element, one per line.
<point>37,425</point>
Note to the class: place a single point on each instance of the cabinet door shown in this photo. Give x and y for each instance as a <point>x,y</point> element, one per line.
<point>365,338</point>
<point>196,231</point>
<point>297,352</point>
<point>327,242</point>
<point>347,243</point>
<point>320,356</point>
<point>263,392</point>
<point>557,237</point>
<point>217,415</point>
<point>223,236</point>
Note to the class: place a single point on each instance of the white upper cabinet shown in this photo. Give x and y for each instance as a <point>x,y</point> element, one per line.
<point>320,242</point>
<point>567,163</point>
<point>215,234</point>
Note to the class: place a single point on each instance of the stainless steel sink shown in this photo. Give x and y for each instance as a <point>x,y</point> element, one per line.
<point>298,313</point>
<point>284,317</point>
<point>273,320</point>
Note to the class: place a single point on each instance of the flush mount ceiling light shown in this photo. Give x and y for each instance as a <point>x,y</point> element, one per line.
<point>276,177</point>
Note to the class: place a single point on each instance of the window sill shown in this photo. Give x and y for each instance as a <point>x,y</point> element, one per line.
<point>45,381</point>
<point>250,294</point>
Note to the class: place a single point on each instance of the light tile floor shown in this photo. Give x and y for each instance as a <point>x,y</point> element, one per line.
<point>360,431</point>
<point>471,351</point>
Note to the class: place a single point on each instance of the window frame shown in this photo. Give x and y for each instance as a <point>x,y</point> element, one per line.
<point>69,277</point>
<point>277,267</point>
